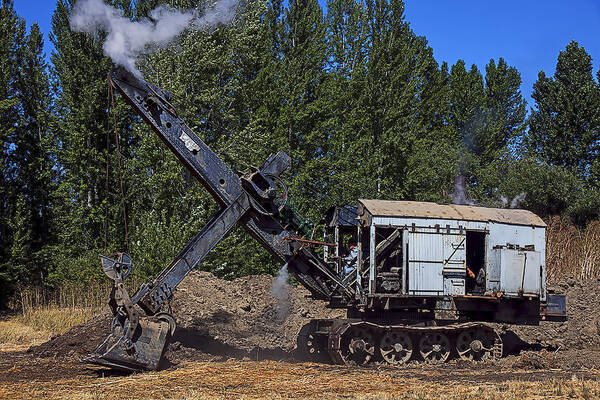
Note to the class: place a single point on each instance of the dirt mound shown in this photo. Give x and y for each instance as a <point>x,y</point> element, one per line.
<point>582,329</point>
<point>242,318</point>
<point>81,339</point>
<point>535,360</point>
<point>239,318</point>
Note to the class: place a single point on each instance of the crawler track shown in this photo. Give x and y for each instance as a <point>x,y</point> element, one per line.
<point>361,343</point>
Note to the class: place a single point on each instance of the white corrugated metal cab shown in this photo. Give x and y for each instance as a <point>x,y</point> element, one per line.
<point>436,247</point>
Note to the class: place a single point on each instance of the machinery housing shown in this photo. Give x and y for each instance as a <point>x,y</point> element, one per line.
<point>416,250</point>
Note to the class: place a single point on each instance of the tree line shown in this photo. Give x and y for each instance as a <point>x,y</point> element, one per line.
<point>351,93</point>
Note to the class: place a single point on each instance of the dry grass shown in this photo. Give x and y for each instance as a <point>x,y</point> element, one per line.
<point>43,313</point>
<point>36,325</point>
<point>572,252</point>
<point>55,320</point>
<point>70,295</point>
<point>278,380</point>
<point>15,336</point>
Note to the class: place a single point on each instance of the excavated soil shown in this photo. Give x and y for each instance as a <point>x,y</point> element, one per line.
<point>581,331</point>
<point>219,319</point>
<point>240,318</point>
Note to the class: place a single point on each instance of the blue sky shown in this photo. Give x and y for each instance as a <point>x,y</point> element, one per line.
<point>527,34</point>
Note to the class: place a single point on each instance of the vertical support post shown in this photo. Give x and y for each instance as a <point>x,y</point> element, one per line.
<point>325,248</point>
<point>359,261</point>
<point>486,261</point>
<point>404,261</point>
<point>543,280</point>
<point>338,244</point>
<point>523,275</point>
<point>372,260</point>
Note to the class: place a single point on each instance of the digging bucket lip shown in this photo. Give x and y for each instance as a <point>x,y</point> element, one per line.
<point>98,359</point>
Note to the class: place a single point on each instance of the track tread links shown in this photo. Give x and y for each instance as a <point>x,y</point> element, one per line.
<point>362,343</point>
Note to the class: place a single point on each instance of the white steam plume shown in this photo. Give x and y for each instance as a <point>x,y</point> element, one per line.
<point>459,196</point>
<point>127,39</point>
<point>517,200</point>
<point>280,290</point>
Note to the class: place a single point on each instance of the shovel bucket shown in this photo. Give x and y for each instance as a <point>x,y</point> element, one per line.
<point>140,353</point>
<point>136,342</point>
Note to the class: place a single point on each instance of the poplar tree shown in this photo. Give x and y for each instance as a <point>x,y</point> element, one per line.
<point>432,161</point>
<point>401,82</point>
<point>303,110</point>
<point>564,127</point>
<point>467,106</point>
<point>506,109</point>
<point>347,46</point>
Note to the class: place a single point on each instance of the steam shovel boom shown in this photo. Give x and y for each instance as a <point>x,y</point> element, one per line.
<point>139,330</point>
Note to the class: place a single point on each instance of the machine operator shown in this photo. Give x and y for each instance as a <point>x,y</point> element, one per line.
<point>479,279</point>
<point>352,257</point>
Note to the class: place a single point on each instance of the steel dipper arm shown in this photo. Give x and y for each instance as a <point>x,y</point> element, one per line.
<point>252,200</point>
<point>249,200</point>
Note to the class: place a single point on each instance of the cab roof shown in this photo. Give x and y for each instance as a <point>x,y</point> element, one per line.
<point>420,209</point>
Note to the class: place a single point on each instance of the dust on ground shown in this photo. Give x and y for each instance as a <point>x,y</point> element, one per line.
<point>234,379</point>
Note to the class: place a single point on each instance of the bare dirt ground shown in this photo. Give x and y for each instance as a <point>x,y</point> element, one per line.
<point>235,340</point>
<point>23,376</point>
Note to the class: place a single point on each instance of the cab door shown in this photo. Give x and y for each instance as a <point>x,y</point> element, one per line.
<point>436,263</point>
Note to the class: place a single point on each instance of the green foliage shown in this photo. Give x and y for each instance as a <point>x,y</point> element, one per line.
<point>26,167</point>
<point>505,110</point>
<point>18,263</point>
<point>549,190</point>
<point>564,127</point>
<point>564,132</point>
<point>9,42</point>
<point>467,106</point>
<point>87,212</point>
<point>353,95</point>
<point>34,146</point>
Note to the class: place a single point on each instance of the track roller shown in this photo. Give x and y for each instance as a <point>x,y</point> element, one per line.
<point>478,344</point>
<point>311,345</point>
<point>434,347</point>
<point>353,343</point>
<point>396,347</point>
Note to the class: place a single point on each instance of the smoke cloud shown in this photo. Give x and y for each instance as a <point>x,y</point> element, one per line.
<point>459,196</point>
<point>281,291</point>
<point>127,39</point>
<point>517,200</point>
